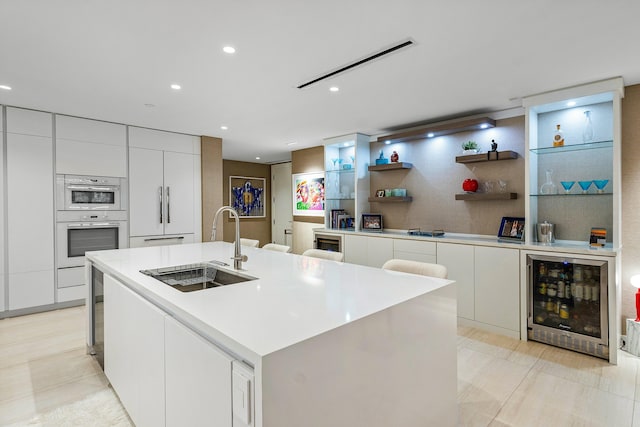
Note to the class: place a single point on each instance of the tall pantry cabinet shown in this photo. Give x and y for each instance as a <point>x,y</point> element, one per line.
<point>29,208</point>
<point>2,205</point>
<point>164,187</point>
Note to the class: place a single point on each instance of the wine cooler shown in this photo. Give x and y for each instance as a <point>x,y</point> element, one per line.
<point>567,302</point>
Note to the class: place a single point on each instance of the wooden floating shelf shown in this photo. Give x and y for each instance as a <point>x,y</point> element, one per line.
<point>390,166</point>
<point>486,196</point>
<point>487,157</point>
<point>390,199</point>
<point>440,129</point>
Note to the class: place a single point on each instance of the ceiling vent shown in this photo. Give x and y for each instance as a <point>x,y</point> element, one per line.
<point>377,55</point>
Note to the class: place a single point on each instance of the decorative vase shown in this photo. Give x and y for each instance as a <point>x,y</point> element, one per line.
<point>548,187</point>
<point>587,132</point>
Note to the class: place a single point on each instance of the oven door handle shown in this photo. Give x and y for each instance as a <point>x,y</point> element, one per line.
<point>79,226</point>
<point>92,188</point>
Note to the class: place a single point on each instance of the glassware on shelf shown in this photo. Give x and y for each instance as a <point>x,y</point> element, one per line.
<point>548,187</point>
<point>600,184</point>
<point>585,186</point>
<point>587,132</point>
<point>567,185</point>
<point>338,161</point>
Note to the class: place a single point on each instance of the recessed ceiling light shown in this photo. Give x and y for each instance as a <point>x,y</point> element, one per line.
<point>229,49</point>
<point>5,87</point>
<point>430,135</point>
<point>289,144</point>
<point>224,127</point>
<point>257,158</point>
<point>345,144</point>
<point>176,87</point>
<point>149,105</point>
<point>571,103</point>
<point>387,142</point>
<point>484,126</point>
<point>334,88</point>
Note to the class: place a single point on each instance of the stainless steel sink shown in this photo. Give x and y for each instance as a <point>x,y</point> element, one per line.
<point>196,277</point>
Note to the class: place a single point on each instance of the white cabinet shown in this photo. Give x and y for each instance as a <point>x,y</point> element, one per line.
<point>414,250</point>
<point>367,250</point>
<point>198,379</point>
<point>90,147</point>
<point>30,209</point>
<point>2,204</point>
<point>164,186</point>
<point>134,353</point>
<point>497,290</point>
<point>459,260</point>
<point>488,283</point>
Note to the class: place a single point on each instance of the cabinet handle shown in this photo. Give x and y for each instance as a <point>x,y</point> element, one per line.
<point>164,238</point>
<point>168,207</point>
<point>160,192</point>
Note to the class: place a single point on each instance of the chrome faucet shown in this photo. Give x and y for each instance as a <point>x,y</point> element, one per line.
<point>238,258</point>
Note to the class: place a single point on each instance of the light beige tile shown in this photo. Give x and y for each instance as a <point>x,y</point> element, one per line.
<point>570,365</point>
<point>470,364</point>
<point>46,372</point>
<point>490,343</point>
<point>620,379</point>
<point>547,400</point>
<point>527,353</point>
<point>489,389</point>
<point>26,407</point>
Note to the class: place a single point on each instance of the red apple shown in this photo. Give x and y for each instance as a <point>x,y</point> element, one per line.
<point>470,185</point>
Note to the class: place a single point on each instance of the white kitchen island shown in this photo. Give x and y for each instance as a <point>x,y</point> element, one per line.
<point>309,343</point>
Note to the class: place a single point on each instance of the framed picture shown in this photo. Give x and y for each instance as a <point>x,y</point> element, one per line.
<point>511,229</point>
<point>371,222</point>
<point>308,194</point>
<point>247,196</point>
<point>380,193</point>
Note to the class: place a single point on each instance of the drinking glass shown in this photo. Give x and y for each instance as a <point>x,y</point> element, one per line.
<point>585,186</point>
<point>600,184</point>
<point>567,185</point>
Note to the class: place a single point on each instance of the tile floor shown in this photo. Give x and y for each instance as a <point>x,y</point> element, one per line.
<point>501,381</point>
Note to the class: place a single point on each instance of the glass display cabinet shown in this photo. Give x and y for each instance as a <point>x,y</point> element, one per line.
<point>573,160</point>
<point>346,180</point>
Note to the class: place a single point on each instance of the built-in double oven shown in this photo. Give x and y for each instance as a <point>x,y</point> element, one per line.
<point>91,216</point>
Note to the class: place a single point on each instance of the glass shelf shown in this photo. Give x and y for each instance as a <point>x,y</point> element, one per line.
<point>572,194</point>
<point>573,147</point>
<point>340,171</point>
<point>339,198</point>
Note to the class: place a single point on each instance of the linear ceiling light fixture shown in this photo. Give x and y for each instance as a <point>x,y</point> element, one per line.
<point>377,55</point>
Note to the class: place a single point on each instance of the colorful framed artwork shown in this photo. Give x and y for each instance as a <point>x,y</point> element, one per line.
<point>511,229</point>
<point>371,222</point>
<point>308,194</point>
<point>247,196</point>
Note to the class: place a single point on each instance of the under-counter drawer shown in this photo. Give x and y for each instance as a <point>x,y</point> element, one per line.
<point>414,250</point>
<point>73,276</point>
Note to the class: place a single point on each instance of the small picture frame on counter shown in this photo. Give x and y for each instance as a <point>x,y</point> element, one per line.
<point>511,229</point>
<point>598,237</point>
<point>380,193</point>
<point>371,222</point>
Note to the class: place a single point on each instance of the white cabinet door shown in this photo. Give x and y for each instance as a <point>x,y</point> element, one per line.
<point>29,198</point>
<point>379,251</point>
<point>134,353</point>
<point>498,287</point>
<point>146,192</point>
<point>90,147</point>
<point>459,260</point>
<point>198,379</point>
<point>2,204</point>
<point>179,193</point>
<point>355,249</point>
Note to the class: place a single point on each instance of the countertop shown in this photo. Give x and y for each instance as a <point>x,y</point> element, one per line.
<point>294,298</point>
<point>563,246</point>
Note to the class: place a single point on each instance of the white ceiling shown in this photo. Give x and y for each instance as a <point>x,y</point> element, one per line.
<point>107,59</point>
